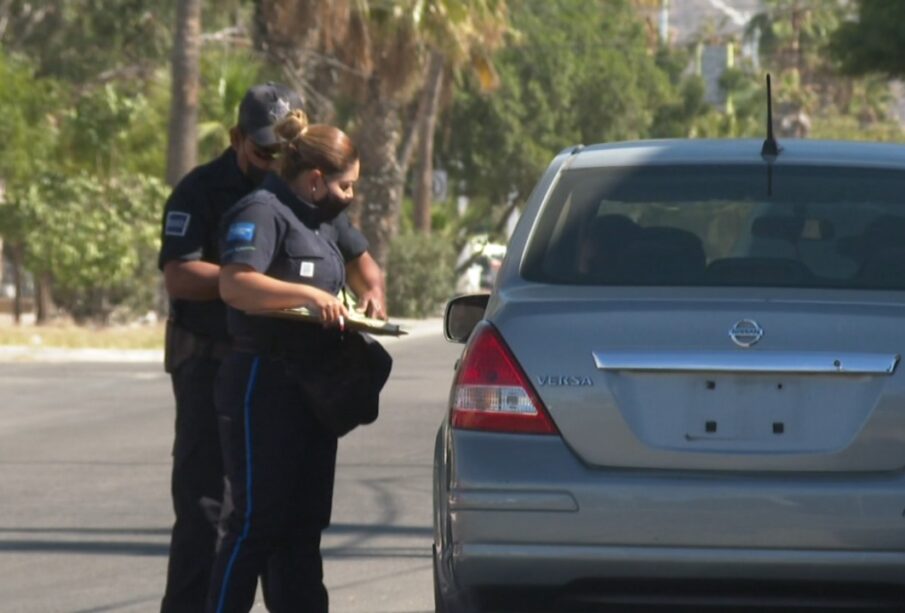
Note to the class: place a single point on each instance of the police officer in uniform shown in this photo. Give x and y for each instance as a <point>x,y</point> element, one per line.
<point>197,336</point>
<point>279,249</point>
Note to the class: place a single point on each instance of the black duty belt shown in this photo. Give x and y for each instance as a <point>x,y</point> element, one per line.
<point>299,346</point>
<point>182,344</point>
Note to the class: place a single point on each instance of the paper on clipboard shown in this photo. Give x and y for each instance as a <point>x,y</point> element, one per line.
<point>354,321</point>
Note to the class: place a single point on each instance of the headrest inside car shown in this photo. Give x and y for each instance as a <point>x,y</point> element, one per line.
<point>613,227</point>
<point>778,227</point>
<point>881,233</point>
<point>663,255</point>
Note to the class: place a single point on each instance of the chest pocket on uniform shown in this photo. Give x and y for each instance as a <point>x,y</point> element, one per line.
<point>304,259</point>
<point>313,264</point>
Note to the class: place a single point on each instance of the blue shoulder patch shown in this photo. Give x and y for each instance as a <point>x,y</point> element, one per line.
<point>243,231</point>
<point>177,223</point>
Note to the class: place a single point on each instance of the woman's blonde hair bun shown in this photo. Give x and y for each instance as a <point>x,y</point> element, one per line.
<point>293,125</point>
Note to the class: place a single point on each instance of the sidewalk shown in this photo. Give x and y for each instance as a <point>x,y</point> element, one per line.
<point>417,328</point>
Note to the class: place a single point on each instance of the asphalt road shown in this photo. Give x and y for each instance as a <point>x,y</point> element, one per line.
<point>84,487</point>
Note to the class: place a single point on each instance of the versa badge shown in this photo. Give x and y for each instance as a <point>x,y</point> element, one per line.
<point>563,381</point>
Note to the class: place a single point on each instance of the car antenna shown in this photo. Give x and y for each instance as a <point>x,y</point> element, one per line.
<point>770,149</point>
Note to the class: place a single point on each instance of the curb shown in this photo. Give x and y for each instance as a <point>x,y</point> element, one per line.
<point>417,328</point>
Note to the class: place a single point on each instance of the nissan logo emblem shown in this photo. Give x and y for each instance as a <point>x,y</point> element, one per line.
<point>746,332</point>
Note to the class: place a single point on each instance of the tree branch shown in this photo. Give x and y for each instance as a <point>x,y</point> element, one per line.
<point>4,16</point>
<point>25,23</point>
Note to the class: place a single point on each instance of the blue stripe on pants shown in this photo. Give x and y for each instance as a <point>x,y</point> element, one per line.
<point>252,379</point>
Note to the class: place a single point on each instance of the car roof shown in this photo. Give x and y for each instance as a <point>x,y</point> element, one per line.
<point>738,151</point>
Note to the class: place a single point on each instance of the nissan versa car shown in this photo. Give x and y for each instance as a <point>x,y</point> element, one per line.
<point>685,385</point>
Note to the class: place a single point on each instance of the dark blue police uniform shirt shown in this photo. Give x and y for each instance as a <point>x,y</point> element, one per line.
<point>278,234</point>
<point>190,232</point>
<point>190,224</point>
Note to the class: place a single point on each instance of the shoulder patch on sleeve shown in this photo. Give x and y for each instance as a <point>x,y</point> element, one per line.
<point>177,223</point>
<point>243,231</point>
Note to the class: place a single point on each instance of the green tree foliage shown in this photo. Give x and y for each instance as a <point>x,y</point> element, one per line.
<point>811,97</point>
<point>113,130</point>
<point>85,102</point>
<point>875,41</point>
<point>96,237</point>
<point>226,74</point>
<point>77,205</point>
<point>85,144</point>
<point>27,128</point>
<point>84,41</point>
<point>27,131</point>
<point>793,37</point>
<point>420,274</point>
<point>576,73</point>
<point>678,116</point>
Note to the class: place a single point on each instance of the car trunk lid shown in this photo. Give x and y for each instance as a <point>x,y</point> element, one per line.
<point>652,381</point>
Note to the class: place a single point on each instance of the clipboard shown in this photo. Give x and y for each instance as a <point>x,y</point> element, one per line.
<point>355,321</point>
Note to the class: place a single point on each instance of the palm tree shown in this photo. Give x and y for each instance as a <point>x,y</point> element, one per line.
<point>458,35</point>
<point>182,149</point>
<point>429,109</point>
<point>381,49</point>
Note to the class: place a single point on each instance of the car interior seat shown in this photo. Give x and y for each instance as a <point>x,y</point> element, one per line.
<point>605,241</point>
<point>774,256</point>
<point>880,251</point>
<point>662,255</point>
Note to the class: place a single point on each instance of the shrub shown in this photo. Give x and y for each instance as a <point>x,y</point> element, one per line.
<point>420,274</point>
<point>95,238</point>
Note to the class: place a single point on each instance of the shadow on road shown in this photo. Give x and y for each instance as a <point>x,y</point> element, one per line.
<point>121,548</point>
<point>359,534</point>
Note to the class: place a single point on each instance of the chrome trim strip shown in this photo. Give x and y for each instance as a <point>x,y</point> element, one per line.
<point>503,500</point>
<point>748,362</point>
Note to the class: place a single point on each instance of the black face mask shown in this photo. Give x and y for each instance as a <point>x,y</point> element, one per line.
<point>330,206</point>
<point>255,175</point>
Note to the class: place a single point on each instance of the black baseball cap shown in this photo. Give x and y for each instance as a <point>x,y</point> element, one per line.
<point>261,107</point>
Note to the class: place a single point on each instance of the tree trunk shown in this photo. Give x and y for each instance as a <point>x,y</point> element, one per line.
<point>2,188</point>
<point>16,252</point>
<point>381,183</point>
<point>410,139</point>
<point>182,147</point>
<point>43,299</point>
<point>424,186</point>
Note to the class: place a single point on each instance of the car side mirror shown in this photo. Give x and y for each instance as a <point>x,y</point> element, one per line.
<point>462,315</point>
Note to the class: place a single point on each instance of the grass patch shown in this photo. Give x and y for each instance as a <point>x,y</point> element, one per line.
<point>75,337</point>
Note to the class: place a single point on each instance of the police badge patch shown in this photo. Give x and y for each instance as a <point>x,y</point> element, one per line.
<point>242,231</point>
<point>177,223</point>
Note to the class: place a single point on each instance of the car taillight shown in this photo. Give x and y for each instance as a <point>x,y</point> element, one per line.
<point>491,392</point>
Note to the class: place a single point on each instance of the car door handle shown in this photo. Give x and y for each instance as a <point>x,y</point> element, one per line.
<point>843,363</point>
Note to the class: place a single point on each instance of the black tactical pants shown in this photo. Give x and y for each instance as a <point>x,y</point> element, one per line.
<point>280,465</point>
<point>197,485</point>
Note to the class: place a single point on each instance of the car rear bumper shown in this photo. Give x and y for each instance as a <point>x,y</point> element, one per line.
<point>529,491</point>
<point>502,577</point>
<point>553,565</point>
<point>528,513</point>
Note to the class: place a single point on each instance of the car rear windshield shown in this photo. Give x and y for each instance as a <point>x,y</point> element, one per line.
<point>730,225</point>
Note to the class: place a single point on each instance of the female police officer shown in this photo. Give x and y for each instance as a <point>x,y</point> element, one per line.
<point>278,250</point>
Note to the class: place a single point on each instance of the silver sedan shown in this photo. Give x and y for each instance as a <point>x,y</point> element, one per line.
<point>684,387</point>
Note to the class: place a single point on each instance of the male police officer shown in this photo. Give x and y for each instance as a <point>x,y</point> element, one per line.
<point>196,330</point>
